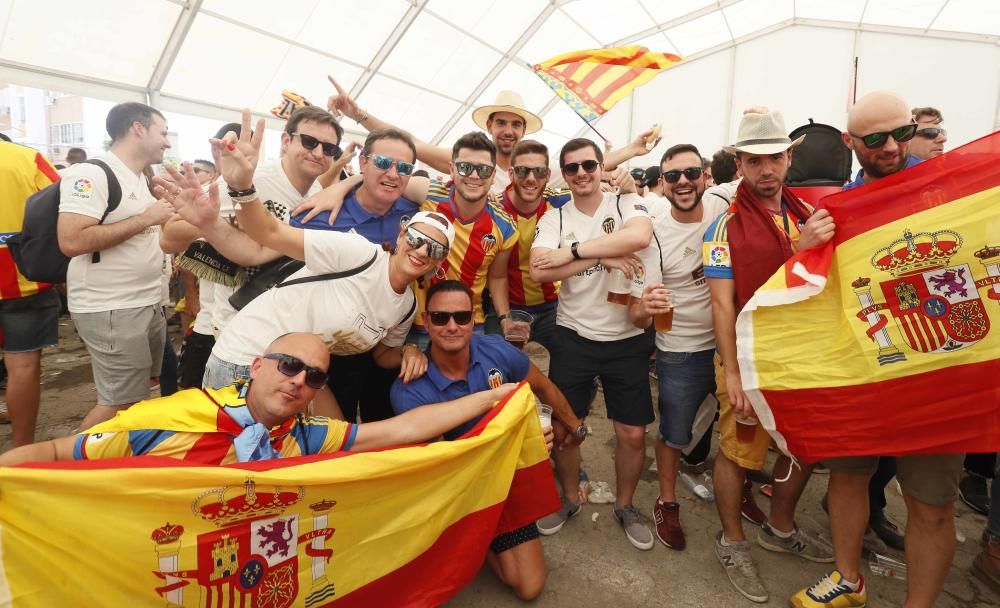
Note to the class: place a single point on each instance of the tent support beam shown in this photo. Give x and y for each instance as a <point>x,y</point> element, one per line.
<point>171,49</point>
<point>390,43</point>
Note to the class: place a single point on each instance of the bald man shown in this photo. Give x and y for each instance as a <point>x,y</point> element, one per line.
<point>259,420</point>
<point>879,128</point>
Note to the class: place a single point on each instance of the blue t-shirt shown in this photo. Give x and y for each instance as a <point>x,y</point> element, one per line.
<point>859,179</point>
<point>492,362</point>
<point>377,229</point>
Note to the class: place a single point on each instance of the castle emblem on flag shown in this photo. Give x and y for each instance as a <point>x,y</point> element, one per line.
<point>936,304</point>
<point>252,557</point>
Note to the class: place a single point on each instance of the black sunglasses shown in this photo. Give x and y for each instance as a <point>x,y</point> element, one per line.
<point>309,143</point>
<point>932,132</point>
<point>522,172</point>
<point>417,239</point>
<point>441,318</point>
<point>465,169</point>
<point>674,175</point>
<point>878,139</point>
<point>293,366</point>
<point>384,163</point>
<point>573,168</point>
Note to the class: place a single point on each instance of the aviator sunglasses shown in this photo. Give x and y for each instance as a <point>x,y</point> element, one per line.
<point>292,366</point>
<point>441,318</point>
<point>384,163</point>
<point>417,239</point>
<point>309,143</point>
<point>573,168</point>
<point>465,169</point>
<point>878,139</point>
<point>674,175</point>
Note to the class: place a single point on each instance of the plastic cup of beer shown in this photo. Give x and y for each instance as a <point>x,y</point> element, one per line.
<point>746,428</point>
<point>544,415</point>
<point>619,287</point>
<point>518,328</point>
<point>664,321</point>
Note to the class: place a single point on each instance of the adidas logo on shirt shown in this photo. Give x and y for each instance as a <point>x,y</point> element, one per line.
<point>688,251</point>
<point>132,196</point>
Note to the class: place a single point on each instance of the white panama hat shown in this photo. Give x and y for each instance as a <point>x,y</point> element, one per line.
<point>762,133</point>
<point>507,101</point>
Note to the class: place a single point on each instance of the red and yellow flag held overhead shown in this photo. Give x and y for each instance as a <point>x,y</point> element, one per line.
<point>593,81</point>
<point>887,340</point>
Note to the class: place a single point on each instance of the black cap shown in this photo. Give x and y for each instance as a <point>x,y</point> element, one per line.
<point>652,175</point>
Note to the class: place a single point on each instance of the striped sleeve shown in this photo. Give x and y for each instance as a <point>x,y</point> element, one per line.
<point>716,257</point>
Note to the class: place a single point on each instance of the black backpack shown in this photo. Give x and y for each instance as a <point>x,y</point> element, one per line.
<point>821,160</point>
<point>36,248</point>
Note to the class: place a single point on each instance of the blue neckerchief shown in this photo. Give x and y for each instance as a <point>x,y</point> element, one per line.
<point>254,443</point>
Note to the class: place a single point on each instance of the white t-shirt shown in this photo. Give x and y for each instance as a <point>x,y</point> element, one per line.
<point>278,196</point>
<point>678,245</point>
<point>351,314</point>
<point>129,274</point>
<point>501,179</point>
<point>206,302</point>
<point>583,297</point>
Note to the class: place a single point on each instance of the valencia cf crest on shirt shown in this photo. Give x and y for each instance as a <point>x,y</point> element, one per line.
<point>488,242</point>
<point>608,225</point>
<point>494,377</point>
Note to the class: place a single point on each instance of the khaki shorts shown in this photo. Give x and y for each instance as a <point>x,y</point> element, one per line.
<point>126,350</point>
<point>748,454</point>
<point>931,479</point>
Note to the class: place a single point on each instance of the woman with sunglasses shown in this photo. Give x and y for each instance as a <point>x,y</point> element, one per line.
<point>371,307</point>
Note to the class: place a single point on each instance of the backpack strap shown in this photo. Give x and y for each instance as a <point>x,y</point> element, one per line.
<point>114,197</point>
<point>560,228</point>
<point>332,275</point>
<point>413,307</point>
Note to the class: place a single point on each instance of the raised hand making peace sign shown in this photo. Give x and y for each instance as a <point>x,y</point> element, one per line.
<point>238,156</point>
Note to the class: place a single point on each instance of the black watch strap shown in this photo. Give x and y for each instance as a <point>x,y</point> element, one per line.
<point>572,249</point>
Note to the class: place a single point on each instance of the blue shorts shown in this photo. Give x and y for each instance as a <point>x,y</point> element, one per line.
<point>30,323</point>
<point>685,380</point>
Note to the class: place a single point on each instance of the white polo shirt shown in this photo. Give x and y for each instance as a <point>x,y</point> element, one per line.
<point>583,305</point>
<point>351,314</point>
<point>129,274</point>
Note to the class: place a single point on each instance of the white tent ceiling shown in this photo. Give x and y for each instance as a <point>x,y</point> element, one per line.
<point>423,64</point>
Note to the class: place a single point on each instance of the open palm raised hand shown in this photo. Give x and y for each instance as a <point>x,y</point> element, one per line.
<point>185,194</point>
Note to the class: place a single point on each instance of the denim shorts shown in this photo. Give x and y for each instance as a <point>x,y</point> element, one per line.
<point>30,323</point>
<point>220,374</point>
<point>685,380</point>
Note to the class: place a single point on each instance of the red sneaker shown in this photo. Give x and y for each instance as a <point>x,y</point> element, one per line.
<point>751,512</point>
<point>667,517</point>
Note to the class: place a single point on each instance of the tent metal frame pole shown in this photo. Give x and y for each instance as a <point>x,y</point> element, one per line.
<point>390,43</point>
<point>171,50</point>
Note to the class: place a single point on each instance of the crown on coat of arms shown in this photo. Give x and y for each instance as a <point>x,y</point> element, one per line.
<point>223,507</point>
<point>987,252</point>
<point>861,282</point>
<point>917,252</point>
<point>167,533</point>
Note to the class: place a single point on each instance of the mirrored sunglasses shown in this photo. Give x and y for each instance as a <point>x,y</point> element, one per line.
<point>878,139</point>
<point>465,169</point>
<point>417,239</point>
<point>523,172</point>
<point>932,132</point>
<point>384,163</point>
<point>293,366</point>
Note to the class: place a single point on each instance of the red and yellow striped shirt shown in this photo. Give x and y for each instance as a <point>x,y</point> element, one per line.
<point>478,240</point>
<point>23,171</point>
<point>526,293</point>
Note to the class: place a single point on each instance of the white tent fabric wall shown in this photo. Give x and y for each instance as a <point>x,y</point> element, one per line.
<point>425,63</point>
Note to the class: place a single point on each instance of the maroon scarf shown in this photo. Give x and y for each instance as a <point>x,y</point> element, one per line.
<point>756,245</point>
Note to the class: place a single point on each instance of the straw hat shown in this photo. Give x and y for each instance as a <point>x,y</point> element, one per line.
<point>507,101</point>
<point>762,132</point>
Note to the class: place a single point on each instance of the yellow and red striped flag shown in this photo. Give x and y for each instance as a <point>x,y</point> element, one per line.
<point>401,527</point>
<point>592,81</point>
<point>887,341</point>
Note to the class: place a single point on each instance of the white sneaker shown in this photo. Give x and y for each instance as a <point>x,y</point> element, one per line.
<point>699,482</point>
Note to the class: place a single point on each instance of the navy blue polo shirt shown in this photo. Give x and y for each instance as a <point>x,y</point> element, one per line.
<point>859,180</point>
<point>492,362</point>
<point>354,218</point>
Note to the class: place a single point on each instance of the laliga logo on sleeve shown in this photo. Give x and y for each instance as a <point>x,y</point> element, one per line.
<point>82,187</point>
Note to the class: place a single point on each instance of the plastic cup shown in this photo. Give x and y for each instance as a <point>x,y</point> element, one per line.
<point>544,415</point>
<point>746,428</point>
<point>619,288</point>
<point>518,328</point>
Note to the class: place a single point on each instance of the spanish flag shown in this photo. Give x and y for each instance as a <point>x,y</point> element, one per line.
<point>887,341</point>
<point>401,527</point>
<point>592,81</point>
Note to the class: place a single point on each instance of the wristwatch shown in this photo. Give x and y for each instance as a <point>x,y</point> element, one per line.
<point>581,431</point>
<point>572,249</point>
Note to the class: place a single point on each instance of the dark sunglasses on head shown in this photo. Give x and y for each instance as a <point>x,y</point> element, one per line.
<point>932,132</point>
<point>417,239</point>
<point>384,163</point>
<point>293,366</point>
<point>877,140</point>
<point>309,143</point>
<point>522,172</point>
<point>674,175</point>
<point>441,318</point>
<point>573,168</point>
<point>465,169</point>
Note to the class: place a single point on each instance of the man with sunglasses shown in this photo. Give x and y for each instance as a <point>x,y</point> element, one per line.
<point>931,136</point>
<point>575,244</point>
<point>261,419</point>
<point>462,363</point>
<point>879,127</point>
<point>765,225</point>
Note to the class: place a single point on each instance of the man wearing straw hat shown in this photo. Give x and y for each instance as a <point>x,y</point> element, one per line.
<point>506,120</point>
<point>765,226</point>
